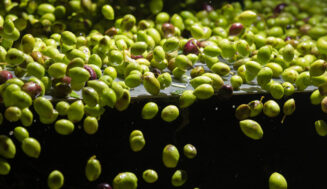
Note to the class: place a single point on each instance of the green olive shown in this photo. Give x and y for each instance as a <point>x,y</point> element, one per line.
<point>190,151</point>
<point>236,82</point>
<point>271,108</point>
<point>93,169</point>
<point>75,112</point>
<point>62,107</point>
<point>13,114</point>
<point>170,113</point>
<point>277,181</point>
<point>14,57</point>
<point>68,38</point>
<point>242,112</point>
<point>186,99</point>
<point>195,82</point>
<point>149,110</point>
<point>31,147</point>
<point>252,129</point>
<point>43,106</point>
<point>204,91</point>
<point>7,147</point>
<point>136,140</point>
<point>108,12</point>
<point>90,96</point>
<point>170,156</point>
<point>150,176</point>
<point>35,69</point>
<point>90,125</point>
<point>151,83</point>
<point>55,180</point>
<point>21,133</point>
<point>125,180</point>
<point>4,167</point>
<point>64,127</point>
<point>179,178</point>
<point>321,127</point>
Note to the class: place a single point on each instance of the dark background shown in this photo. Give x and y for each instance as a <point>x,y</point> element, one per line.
<point>226,157</point>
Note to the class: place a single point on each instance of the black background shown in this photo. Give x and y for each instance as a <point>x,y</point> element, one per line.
<point>226,157</point>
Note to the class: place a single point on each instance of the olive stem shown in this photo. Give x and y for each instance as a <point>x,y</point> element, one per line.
<point>283,119</point>
<point>261,99</point>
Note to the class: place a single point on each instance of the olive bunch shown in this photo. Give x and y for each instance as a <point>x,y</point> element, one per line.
<point>84,51</point>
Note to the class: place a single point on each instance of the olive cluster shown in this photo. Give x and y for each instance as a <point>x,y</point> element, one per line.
<point>84,51</point>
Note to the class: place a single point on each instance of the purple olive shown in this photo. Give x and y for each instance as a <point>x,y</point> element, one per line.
<point>279,8</point>
<point>4,76</point>
<point>66,79</point>
<point>104,186</point>
<point>93,75</point>
<point>61,90</point>
<point>111,31</point>
<point>225,92</point>
<point>135,57</point>
<point>236,29</point>
<point>31,88</point>
<point>156,71</point>
<point>207,7</point>
<point>288,38</point>
<point>306,20</point>
<point>168,29</point>
<point>191,47</point>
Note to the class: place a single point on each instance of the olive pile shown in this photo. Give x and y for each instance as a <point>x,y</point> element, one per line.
<point>85,57</point>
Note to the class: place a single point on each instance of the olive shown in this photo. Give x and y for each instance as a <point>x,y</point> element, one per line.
<point>190,151</point>
<point>149,110</point>
<point>170,156</point>
<point>170,113</point>
<point>55,180</point>
<point>150,176</point>
<point>271,108</point>
<point>31,147</point>
<point>7,147</point>
<point>277,181</point>
<point>125,180</point>
<point>93,169</point>
<point>179,178</point>
<point>251,129</point>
